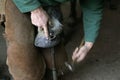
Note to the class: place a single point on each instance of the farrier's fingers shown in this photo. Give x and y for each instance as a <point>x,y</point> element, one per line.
<point>46,31</point>
<point>74,54</point>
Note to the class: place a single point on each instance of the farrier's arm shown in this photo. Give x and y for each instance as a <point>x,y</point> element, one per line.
<point>39,17</point>
<point>92,15</point>
<point>93,11</point>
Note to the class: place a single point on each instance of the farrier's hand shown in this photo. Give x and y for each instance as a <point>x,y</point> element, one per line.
<point>39,18</point>
<point>79,54</point>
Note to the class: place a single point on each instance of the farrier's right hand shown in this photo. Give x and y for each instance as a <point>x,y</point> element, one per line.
<point>39,18</point>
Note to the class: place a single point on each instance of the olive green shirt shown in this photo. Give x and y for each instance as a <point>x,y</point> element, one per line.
<point>29,5</point>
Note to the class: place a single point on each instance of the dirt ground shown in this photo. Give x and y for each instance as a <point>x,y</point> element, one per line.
<point>103,61</point>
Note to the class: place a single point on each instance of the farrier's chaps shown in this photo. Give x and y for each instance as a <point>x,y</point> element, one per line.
<point>24,60</point>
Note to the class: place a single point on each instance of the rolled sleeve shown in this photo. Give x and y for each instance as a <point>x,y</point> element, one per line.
<point>27,5</point>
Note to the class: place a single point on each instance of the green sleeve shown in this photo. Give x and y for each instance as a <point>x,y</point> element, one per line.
<point>27,5</point>
<point>92,15</point>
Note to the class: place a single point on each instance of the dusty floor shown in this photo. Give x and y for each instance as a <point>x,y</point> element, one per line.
<point>103,61</point>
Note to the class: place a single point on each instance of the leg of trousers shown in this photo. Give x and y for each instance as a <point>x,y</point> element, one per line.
<point>23,59</point>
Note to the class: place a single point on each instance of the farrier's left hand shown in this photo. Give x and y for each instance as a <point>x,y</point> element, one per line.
<point>39,18</point>
<point>80,53</point>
